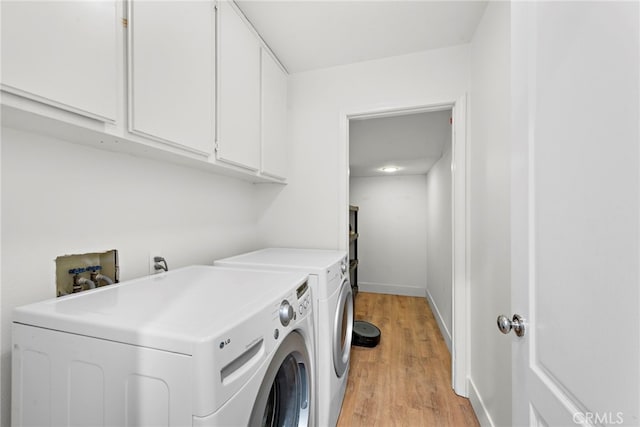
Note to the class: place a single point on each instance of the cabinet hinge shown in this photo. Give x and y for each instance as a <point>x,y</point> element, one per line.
<point>216,147</point>
<point>125,22</point>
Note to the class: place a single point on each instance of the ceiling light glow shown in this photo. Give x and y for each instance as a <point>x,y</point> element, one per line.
<point>390,169</point>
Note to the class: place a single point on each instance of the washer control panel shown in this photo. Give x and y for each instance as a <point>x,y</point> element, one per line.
<point>286,313</point>
<point>298,304</point>
<point>304,298</point>
<point>305,305</point>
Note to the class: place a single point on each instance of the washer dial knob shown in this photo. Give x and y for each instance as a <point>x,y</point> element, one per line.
<point>286,313</point>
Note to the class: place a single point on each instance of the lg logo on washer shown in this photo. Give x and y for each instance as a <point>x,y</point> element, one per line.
<point>225,342</point>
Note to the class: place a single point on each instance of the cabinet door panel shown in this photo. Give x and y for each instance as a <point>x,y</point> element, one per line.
<point>171,72</point>
<point>238,90</point>
<point>274,118</point>
<point>62,53</point>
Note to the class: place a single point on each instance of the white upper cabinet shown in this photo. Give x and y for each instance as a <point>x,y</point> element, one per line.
<point>173,80</point>
<point>171,68</point>
<point>62,54</point>
<point>274,118</point>
<point>238,136</point>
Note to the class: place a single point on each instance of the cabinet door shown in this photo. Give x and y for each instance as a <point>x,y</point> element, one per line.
<point>274,118</point>
<point>62,53</point>
<point>238,90</point>
<point>171,72</point>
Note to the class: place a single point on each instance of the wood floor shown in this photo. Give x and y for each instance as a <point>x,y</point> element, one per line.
<point>406,379</point>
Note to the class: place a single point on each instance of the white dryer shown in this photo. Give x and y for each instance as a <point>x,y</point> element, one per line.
<point>333,307</point>
<point>201,346</point>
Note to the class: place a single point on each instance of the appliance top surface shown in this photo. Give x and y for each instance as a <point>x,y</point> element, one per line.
<point>187,305</point>
<point>309,260</point>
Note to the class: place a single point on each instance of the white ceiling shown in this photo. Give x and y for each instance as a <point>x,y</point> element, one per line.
<point>307,35</point>
<point>411,142</point>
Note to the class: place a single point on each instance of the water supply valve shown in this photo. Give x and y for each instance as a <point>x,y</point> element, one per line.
<point>84,271</point>
<point>77,286</point>
<point>93,270</point>
<point>98,278</point>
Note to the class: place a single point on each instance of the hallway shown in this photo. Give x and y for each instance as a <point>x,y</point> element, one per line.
<point>406,379</point>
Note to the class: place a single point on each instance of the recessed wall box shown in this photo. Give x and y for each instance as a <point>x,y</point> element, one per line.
<point>80,272</point>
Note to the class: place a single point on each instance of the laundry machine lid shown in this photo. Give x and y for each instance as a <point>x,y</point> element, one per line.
<point>173,311</point>
<point>313,261</point>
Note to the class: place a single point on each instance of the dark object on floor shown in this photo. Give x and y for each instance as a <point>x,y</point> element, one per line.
<point>365,334</point>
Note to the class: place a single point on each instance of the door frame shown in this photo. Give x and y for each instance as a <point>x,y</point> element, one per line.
<point>460,345</point>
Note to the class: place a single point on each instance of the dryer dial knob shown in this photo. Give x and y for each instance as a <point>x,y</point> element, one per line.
<point>286,313</point>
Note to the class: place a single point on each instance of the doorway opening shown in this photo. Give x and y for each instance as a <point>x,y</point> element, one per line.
<point>412,220</point>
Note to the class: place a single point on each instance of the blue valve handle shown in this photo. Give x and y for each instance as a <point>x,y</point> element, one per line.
<point>77,270</point>
<point>94,268</point>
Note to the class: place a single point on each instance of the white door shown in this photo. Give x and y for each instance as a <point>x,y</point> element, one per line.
<point>238,76</point>
<point>172,72</point>
<point>576,213</point>
<point>63,54</point>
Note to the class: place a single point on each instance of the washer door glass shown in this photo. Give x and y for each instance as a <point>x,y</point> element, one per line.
<point>343,329</point>
<point>284,396</point>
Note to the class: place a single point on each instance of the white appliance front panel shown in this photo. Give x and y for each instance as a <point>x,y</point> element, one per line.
<point>325,279</point>
<point>177,311</point>
<point>67,379</point>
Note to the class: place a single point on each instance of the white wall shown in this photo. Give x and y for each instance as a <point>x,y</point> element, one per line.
<point>60,198</point>
<point>489,168</point>
<point>3,400</point>
<point>312,210</point>
<point>392,245</point>
<point>439,238</point>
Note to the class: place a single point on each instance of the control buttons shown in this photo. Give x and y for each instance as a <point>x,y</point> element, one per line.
<point>276,333</point>
<point>286,313</point>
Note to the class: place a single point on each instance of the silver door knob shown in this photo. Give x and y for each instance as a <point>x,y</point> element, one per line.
<point>517,324</point>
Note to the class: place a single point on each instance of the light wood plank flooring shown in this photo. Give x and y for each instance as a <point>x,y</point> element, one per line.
<point>406,379</point>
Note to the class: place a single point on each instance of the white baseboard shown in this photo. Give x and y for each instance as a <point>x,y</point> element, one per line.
<point>441,325</point>
<point>478,406</point>
<point>386,288</point>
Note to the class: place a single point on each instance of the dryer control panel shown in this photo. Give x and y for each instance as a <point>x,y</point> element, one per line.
<point>295,304</point>
<point>304,298</point>
<point>338,271</point>
<point>286,313</point>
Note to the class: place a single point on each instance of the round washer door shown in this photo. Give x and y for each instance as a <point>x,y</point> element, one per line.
<point>284,397</point>
<point>343,328</point>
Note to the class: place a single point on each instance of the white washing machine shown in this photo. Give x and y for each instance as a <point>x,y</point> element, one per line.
<point>333,307</point>
<point>201,346</point>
